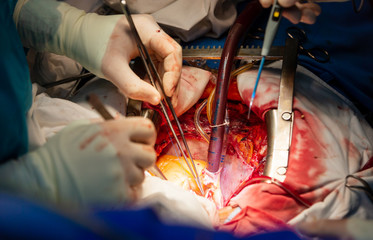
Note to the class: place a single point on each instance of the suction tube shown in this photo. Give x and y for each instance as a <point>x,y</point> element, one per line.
<point>237,31</point>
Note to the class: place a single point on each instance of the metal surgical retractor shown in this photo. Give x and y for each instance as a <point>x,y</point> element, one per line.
<point>280,121</point>
<point>157,83</point>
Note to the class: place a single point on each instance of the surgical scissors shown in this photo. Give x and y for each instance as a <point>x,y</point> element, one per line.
<point>318,54</point>
<point>156,81</point>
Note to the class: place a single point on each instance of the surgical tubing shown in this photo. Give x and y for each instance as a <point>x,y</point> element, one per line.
<point>207,103</point>
<point>237,31</point>
<point>198,126</point>
<point>292,193</point>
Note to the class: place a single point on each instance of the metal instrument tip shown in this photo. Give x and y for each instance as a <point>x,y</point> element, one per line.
<point>251,104</point>
<point>256,85</point>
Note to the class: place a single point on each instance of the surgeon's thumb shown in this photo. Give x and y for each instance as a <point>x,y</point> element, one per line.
<point>134,87</point>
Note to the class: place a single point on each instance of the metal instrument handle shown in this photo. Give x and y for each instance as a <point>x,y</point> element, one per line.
<point>280,121</point>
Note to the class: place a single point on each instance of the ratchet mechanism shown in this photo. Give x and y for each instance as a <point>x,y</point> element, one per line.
<point>157,83</point>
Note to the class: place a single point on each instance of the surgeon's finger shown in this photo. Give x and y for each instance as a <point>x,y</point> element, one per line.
<point>142,130</point>
<point>295,11</point>
<point>293,14</point>
<point>175,97</point>
<point>145,155</point>
<point>310,11</point>
<point>266,3</point>
<point>134,87</point>
<point>170,53</point>
<point>314,7</point>
<point>134,175</point>
<point>283,3</point>
<point>305,13</point>
<point>308,16</point>
<point>287,3</point>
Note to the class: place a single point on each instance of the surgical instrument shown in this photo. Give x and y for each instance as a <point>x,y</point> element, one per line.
<point>318,54</point>
<point>244,52</point>
<point>157,83</point>
<point>95,102</point>
<point>364,186</point>
<point>269,35</point>
<point>280,121</point>
<point>69,79</point>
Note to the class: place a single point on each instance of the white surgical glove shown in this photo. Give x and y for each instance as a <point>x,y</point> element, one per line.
<point>296,12</point>
<point>193,81</point>
<point>102,44</point>
<point>353,228</point>
<point>85,164</point>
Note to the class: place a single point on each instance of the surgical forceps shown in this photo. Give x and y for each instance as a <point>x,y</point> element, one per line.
<point>318,54</point>
<point>156,81</point>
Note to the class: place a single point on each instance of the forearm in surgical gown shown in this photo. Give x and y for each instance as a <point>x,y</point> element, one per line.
<point>15,90</point>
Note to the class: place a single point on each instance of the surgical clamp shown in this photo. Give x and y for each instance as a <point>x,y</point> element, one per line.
<point>157,83</point>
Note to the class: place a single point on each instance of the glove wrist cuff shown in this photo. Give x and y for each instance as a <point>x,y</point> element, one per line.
<point>60,28</point>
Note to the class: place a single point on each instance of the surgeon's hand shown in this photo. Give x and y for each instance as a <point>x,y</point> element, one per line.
<point>193,81</point>
<point>295,11</point>
<point>122,47</point>
<point>102,44</point>
<point>100,164</point>
<point>352,228</point>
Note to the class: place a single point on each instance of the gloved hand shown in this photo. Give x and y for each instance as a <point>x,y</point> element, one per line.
<point>352,228</point>
<point>102,44</point>
<point>193,81</point>
<point>296,12</point>
<point>98,164</point>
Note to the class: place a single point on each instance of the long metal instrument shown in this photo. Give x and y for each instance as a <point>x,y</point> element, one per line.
<point>269,35</point>
<point>280,121</point>
<point>244,52</point>
<point>157,83</point>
